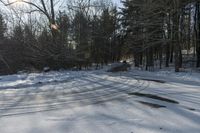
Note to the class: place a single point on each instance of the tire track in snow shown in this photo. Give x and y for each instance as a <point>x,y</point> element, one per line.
<point>99,95</point>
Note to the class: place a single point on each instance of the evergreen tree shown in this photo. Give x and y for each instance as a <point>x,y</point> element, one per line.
<point>81,32</point>
<point>63,23</point>
<point>2,28</point>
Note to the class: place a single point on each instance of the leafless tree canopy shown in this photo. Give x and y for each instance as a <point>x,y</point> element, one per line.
<point>80,33</point>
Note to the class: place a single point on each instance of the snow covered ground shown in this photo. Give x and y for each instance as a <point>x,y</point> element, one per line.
<point>100,102</point>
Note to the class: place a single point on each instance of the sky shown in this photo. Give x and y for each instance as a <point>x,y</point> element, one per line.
<point>117,2</point>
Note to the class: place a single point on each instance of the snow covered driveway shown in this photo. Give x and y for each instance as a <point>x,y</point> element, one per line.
<point>100,102</point>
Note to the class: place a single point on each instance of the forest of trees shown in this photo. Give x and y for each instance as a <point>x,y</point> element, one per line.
<point>154,33</point>
<point>164,31</point>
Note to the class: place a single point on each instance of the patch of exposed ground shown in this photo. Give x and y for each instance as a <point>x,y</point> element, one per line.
<point>154,97</point>
<point>153,80</point>
<point>152,105</point>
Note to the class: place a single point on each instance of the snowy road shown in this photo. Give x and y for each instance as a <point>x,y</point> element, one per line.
<point>88,102</point>
<point>87,89</point>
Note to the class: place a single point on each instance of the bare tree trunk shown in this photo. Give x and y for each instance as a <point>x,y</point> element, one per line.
<point>167,55</point>
<point>176,40</point>
<point>160,57</point>
<point>171,53</point>
<point>197,32</point>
